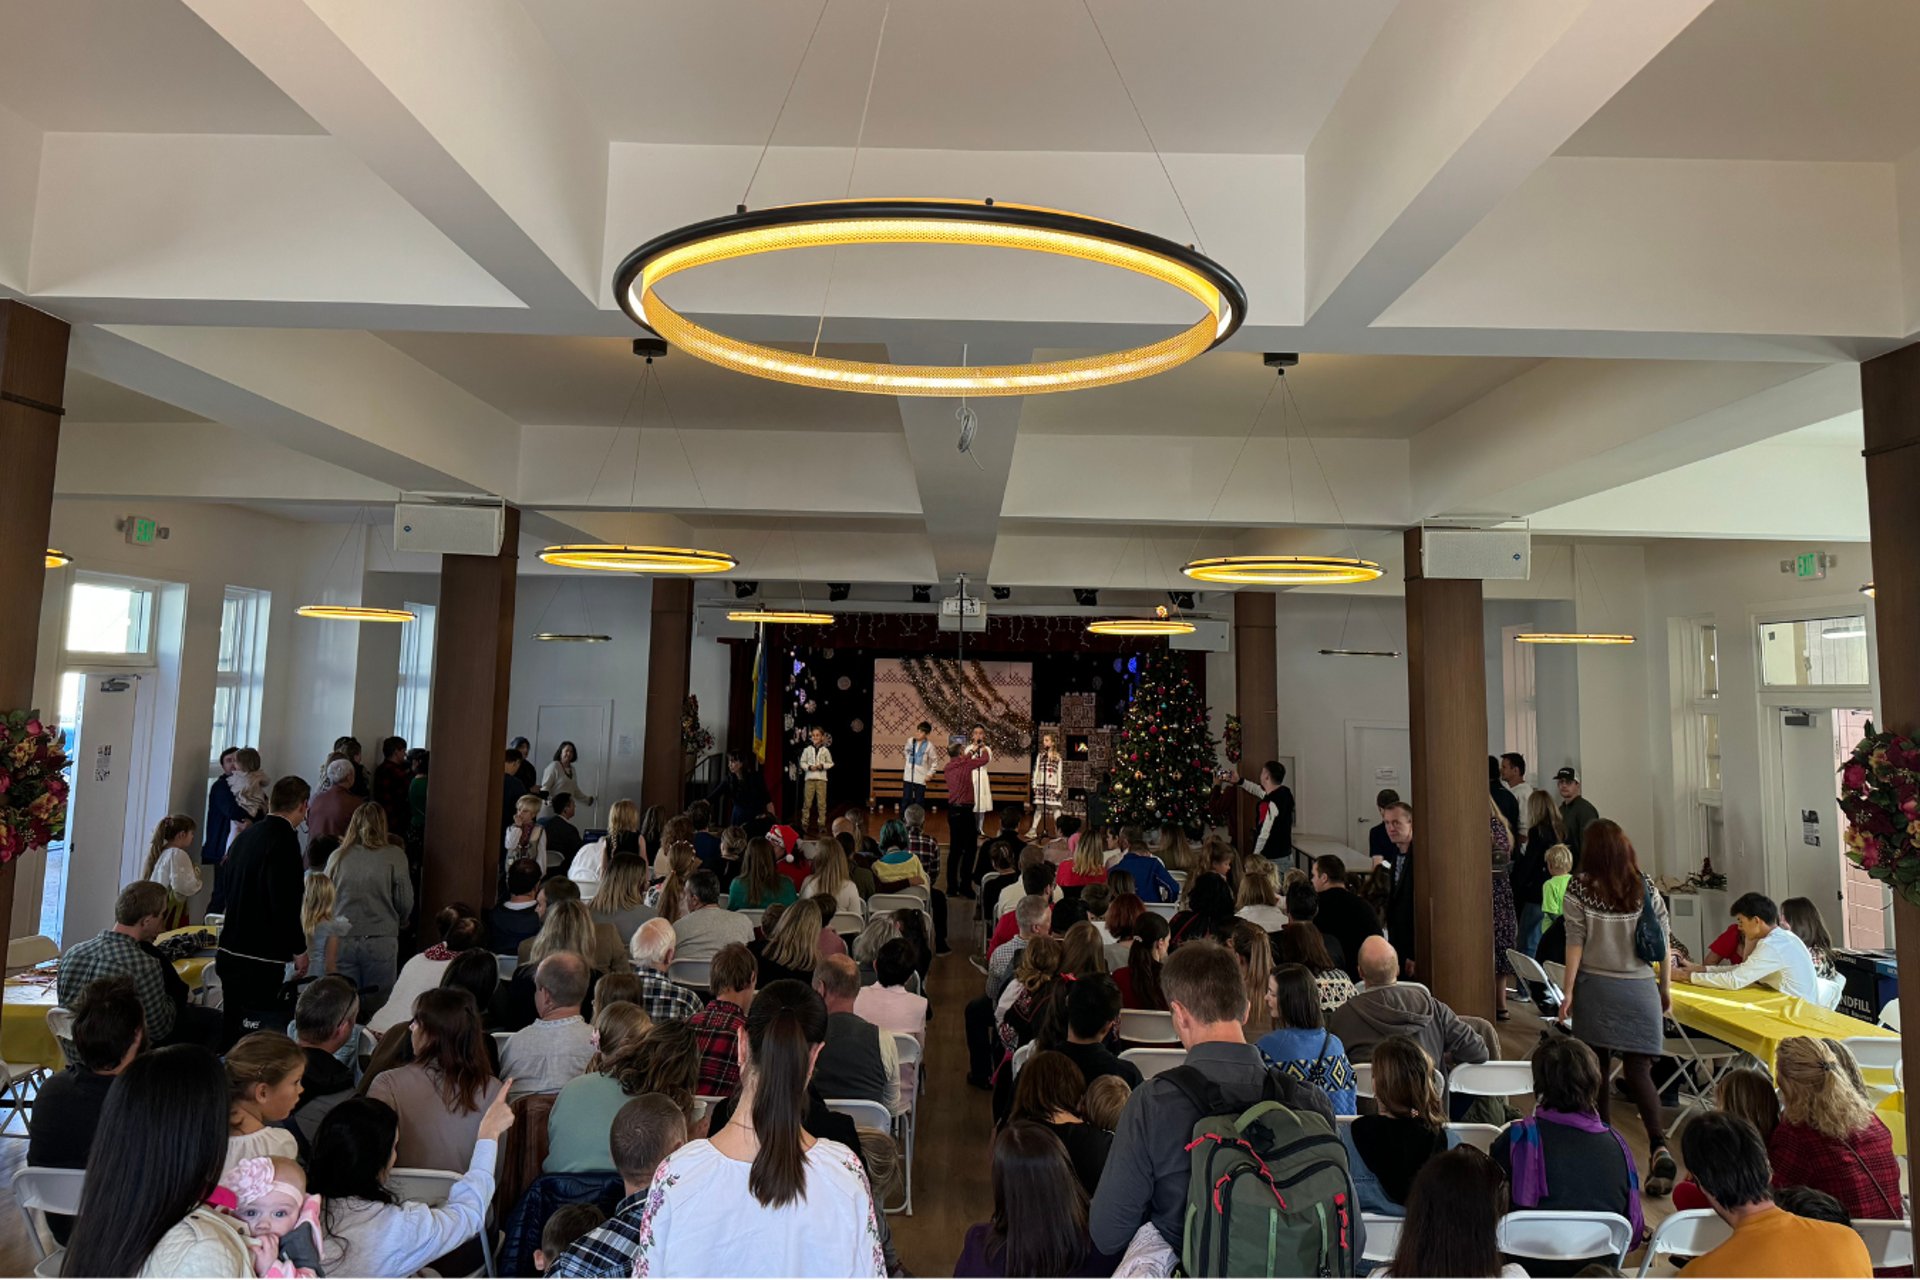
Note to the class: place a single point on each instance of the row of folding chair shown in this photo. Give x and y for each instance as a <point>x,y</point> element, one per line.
<point>1692,1232</point>
<point>1479,1136</point>
<point>1557,1235</point>
<point>903,1128</point>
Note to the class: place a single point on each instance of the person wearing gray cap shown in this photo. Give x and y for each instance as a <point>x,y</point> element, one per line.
<point>1576,811</point>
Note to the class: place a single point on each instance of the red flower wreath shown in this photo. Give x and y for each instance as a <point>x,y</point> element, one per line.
<point>1880,795</point>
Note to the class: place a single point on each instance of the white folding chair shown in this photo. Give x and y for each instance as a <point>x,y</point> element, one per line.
<point>15,1077</point>
<point>1565,1235</point>
<point>1556,971</point>
<point>697,974</point>
<point>1528,970</point>
<point>508,964</point>
<point>50,1266</point>
<point>431,1187</point>
<point>40,1192</point>
<point>1165,910</point>
<point>24,953</point>
<point>1147,1027</point>
<point>1890,1015</point>
<point>1480,1136</point>
<point>1497,1079</point>
<point>847,922</point>
<point>209,994</point>
<point>1363,1079</point>
<point>500,1039</point>
<point>1153,1061</point>
<point>910,1054</point>
<point>1383,1237</point>
<point>1689,1050</point>
<point>1830,989</point>
<point>60,1023</point>
<point>864,1112</point>
<point>1689,1233</point>
<point>881,903</point>
<point>752,915</point>
<point>1889,1241</point>
<point>1877,1055</point>
<point>1179,877</point>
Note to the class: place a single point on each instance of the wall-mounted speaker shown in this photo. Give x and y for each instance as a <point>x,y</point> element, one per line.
<point>449,524</point>
<point>1497,555</point>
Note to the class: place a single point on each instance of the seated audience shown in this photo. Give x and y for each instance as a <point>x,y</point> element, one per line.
<point>1388,1007</point>
<point>264,1071</point>
<point>589,864</point>
<point>1387,1150</point>
<point>563,838</point>
<point>1565,1156</point>
<point>706,927</point>
<point>552,1049</point>
<point>1018,1011</point>
<point>444,1092</point>
<point>1805,1202</point>
<point>367,1230</point>
<point>646,1130</point>
<point>1303,907</point>
<point>568,1223</point>
<point>1259,896</point>
<point>857,1059</point>
<point>109,1028</point>
<point>606,953</point>
<point>762,1196</point>
<point>1148,1170</point>
<point>1828,1137</point>
<point>1726,1158</point>
<point>668,895</point>
<point>759,884</point>
<point>662,997</point>
<point>888,1004</point>
<point>1453,1215</point>
<point>1150,877</point>
<point>1301,1046</point>
<point>1800,917</point>
<point>325,1021</point>
<point>1775,957</point>
<point>1253,948</point>
<point>1036,881</point>
<point>1031,919</point>
<point>1122,918</point>
<point>459,931</point>
<point>1139,982</point>
<point>516,919</point>
<point>733,978</point>
<point>1084,1020</point>
<point>1039,1223</point>
<point>1105,1099</point>
<point>791,949</point>
<point>636,1057</point>
<point>1048,1093</point>
<point>122,951</point>
<point>1088,867</point>
<point>567,929</point>
<point>620,901</point>
<point>525,837</point>
<point>1303,944</point>
<point>1344,915</point>
<point>832,876</point>
<point>1209,913</point>
<point>145,1212</point>
<point>1001,873</point>
<point>1749,1094</point>
<point>1096,900</point>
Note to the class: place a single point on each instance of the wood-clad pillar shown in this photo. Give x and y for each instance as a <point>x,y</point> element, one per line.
<point>33,380</point>
<point>1453,862</point>
<point>739,694</point>
<point>1256,679</point>
<point>669,653</point>
<point>1890,408</point>
<point>472,665</point>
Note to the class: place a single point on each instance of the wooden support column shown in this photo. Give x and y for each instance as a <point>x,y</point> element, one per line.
<point>669,652</point>
<point>739,694</point>
<point>1890,409</point>
<point>1453,860</point>
<point>1256,679</point>
<point>33,379</point>
<point>472,664</point>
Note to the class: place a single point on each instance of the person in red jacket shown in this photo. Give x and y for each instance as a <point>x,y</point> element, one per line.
<point>963,825</point>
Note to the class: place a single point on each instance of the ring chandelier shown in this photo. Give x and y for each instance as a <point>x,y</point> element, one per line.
<point>790,617</point>
<point>1283,571</point>
<point>970,223</point>
<point>1573,637</point>
<point>58,559</point>
<point>1158,625</point>
<point>571,637</point>
<point>620,558</point>
<point>354,613</point>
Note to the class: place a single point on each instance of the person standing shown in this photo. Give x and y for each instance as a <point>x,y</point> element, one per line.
<point>265,885</point>
<point>221,811</point>
<point>333,808</point>
<point>524,769</point>
<point>1576,811</point>
<point>561,779</point>
<point>982,755</point>
<point>1049,785</point>
<point>1398,820</point>
<point>745,793</point>
<point>1502,798</point>
<point>514,789</point>
<point>916,765</point>
<point>1513,776</point>
<point>391,778</point>
<point>1530,866</point>
<point>1273,819</point>
<point>963,831</point>
<point>816,761</point>
<point>375,894</point>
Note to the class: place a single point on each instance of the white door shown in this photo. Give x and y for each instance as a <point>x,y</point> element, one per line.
<point>587,725</point>
<point>1808,790</point>
<point>1379,758</point>
<point>104,817</point>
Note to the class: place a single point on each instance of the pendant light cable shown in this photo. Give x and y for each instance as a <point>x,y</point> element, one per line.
<point>1164,171</point>
<point>781,113</point>
<point>859,137</point>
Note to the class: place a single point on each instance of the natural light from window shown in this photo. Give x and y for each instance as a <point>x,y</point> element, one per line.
<point>105,617</point>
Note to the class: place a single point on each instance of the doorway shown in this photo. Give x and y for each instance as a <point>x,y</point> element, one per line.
<point>1379,757</point>
<point>1811,745</point>
<point>589,727</point>
<point>109,744</point>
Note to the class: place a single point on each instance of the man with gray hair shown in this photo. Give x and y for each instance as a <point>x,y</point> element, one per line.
<point>551,1050</point>
<point>332,808</point>
<point>1032,918</point>
<point>924,847</point>
<point>707,926</point>
<point>652,950</point>
<point>858,1059</point>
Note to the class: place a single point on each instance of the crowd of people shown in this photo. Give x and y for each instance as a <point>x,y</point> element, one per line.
<point>623,1066</point>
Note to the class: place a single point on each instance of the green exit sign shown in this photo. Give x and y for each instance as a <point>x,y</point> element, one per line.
<point>1810,564</point>
<point>142,530</point>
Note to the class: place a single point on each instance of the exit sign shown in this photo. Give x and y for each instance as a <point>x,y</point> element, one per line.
<point>142,530</point>
<point>1810,564</point>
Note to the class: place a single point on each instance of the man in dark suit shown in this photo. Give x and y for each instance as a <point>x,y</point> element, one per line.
<point>262,933</point>
<point>563,838</point>
<point>514,788</point>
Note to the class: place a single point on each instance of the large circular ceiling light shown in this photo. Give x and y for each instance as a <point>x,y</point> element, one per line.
<point>1282,571</point>
<point>970,223</point>
<point>1573,637</point>
<point>1158,625</point>
<point>619,558</point>
<point>354,613</point>
<point>789,617</point>
<point>58,559</point>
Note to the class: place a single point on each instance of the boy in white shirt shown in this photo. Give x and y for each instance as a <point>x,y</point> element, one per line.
<point>815,760</point>
<point>1774,956</point>
<point>917,763</point>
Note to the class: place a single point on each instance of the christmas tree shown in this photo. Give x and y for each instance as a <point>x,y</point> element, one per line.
<point>1163,758</point>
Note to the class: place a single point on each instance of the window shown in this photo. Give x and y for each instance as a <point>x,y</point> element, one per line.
<point>414,695</point>
<point>240,673</point>
<point>105,616</point>
<point>1812,652</point>
<point>1700,712</point>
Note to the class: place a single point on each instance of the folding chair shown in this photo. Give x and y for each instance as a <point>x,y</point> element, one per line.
<point>1165,910</point>
<point>880,903</point>
<point>1689,1233</point>
<point>25,953</point>
<point>1363,1079</point>
<point>1689,1051</point>
<point>60,1023</point>
<point>1528,970</point>
<point>1889,1241</point>
<point>697,974</point>
<point>1479,1136</point>
<point>1890,1014</point>
<point>1383,1237</point>
<point>431,1187</point>
<point>1565,1235</point>
<point>209,994</point>
<point>847,923</point>
<point>1495,1079</point>
<point>1153,1061</point>
<point>910,1054</point>
<point>1147,1027</point>
<point>864,1112</point>
<point>500,1039</point>
<point>40,1192</point>
<point>1877,1055</point>
<point>752,915</point>
<point>508,964</point>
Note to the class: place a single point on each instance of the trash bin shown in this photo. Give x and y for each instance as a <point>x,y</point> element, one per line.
<point>1871,979</point>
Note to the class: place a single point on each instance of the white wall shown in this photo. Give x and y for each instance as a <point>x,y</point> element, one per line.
<point>1319,695</point>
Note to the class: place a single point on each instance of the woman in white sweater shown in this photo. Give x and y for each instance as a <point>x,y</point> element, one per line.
<point>370,1231</point>
<point>560,779</point>
<point>171,867</point>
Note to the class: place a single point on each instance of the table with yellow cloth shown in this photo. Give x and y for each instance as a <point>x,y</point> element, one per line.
<point>1756,1019</point>
<point>25,1038</point>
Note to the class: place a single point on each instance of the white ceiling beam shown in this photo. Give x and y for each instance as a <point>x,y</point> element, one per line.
<point>1455,103</point>
<point>20,150</point>
<point>199,461</point>
<point>461,107</point>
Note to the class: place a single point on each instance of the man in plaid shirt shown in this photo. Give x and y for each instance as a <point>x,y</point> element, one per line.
<point>646,1131</point>
<point>137,916</point>
<point>927,849</point>
<point>664,999</point>
<point>717,1027</point>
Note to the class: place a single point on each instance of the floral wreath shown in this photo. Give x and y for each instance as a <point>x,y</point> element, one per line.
<point>33,790</point>
<point>1880,795</point>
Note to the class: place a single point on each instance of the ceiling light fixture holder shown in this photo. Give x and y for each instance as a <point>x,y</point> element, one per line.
<point>967,223</point>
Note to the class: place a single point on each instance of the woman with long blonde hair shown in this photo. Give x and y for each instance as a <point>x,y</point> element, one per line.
<point>678,830</point>
<point>1259,896</point>
<point>1828,1137</point>
<point>832,875</point>
<point>621,899</point>
<point>169,866</point>
<point>1530,871</point>
<point>792,949</point>
<point>1089,865</point>
<point>589,865</point>
<point>568,926</point>
<point>1254,950</point>
<point>373,891</point>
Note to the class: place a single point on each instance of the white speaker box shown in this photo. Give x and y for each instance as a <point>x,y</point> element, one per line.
<point>1500,555</point>
<point>449,528</point>
<point>1209,636</point>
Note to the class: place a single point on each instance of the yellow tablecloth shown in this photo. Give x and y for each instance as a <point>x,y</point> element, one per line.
<point>1757,1019</point>
<point>24,1037</point>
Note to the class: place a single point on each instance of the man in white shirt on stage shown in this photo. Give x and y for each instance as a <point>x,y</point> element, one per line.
<point>917,763</point>
<point>1775,957</point>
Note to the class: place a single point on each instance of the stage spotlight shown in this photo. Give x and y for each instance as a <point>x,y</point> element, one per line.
<point>743,590</point>
<point>839,590</point>
<point>1086,597</point>
<point>1003,593</point>
<point>1181,599</point>
<point>923,595</point>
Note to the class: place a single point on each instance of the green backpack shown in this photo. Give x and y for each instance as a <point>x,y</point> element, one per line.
<point>1269,1193</point>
